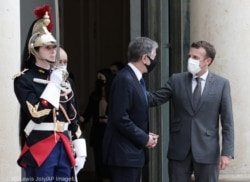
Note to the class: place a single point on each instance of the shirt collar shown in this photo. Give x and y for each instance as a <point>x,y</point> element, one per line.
<point>203,77</point>
<point>136,71</point>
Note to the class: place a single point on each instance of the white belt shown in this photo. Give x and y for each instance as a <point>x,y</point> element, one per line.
<point>58,126</point>
<point>62,126</point>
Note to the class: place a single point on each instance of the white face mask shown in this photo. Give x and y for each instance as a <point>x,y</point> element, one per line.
<point>64,67</point>
<point>193,66</point>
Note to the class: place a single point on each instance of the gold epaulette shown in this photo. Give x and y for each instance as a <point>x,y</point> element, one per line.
<point>20,73</point>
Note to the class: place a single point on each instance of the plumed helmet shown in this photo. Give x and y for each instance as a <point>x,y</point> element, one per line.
<point>41,35</point>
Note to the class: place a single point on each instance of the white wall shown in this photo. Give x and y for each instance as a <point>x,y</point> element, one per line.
<point>226,24</point>
<point>11,49</point>
<point>9,108</point>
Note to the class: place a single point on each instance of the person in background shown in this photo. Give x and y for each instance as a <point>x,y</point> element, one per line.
<point>63,57</point>
<point>63,61</point>
<point>116,66</point>
<point>97,111</point>
<point>201,102</point>
<point>49,125</point>
<point>127,137</point>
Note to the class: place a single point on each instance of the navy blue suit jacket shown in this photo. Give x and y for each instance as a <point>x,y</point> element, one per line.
<point>127,130</point>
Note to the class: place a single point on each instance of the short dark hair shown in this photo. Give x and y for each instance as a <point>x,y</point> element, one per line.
<point>209,48</point>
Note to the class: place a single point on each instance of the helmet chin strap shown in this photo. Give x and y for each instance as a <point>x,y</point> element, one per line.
<point>51,62</point>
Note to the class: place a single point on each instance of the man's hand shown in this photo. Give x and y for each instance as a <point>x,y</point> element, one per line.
<point>153,140</point>
<point>224,162</point>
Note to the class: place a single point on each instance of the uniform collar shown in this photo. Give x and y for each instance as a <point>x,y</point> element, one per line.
<point>41,70</point>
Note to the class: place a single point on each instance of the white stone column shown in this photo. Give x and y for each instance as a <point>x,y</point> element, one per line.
<point>9,108</point>
<point>226,24</point>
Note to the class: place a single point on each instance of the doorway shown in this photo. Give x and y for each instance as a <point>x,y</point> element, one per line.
<point>94,33</point>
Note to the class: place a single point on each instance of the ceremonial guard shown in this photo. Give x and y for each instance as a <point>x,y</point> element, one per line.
<point>53,144</point>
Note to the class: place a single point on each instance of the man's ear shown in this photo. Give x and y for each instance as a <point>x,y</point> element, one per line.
<point>209,61</point>
<point>144,58</point>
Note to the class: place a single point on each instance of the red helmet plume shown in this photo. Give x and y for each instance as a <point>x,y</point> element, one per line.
<point>40,12</point>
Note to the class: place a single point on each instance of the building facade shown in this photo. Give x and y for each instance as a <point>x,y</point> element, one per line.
<point>174,24</point>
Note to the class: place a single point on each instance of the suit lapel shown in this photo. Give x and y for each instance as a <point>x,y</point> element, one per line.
<point>138,85</point>
<point>188,82</point>
<point>207,88</point>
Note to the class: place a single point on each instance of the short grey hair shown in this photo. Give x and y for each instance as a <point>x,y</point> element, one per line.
<point>140,46</point>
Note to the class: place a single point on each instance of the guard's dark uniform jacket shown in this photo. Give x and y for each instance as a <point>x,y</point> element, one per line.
<point>39,143</point>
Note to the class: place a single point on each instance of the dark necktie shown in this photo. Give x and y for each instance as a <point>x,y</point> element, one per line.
<point>143,87</point>
<point>197,92</point>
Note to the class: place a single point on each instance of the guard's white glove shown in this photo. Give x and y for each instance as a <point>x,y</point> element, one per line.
<point>81,153</point>
<point>80,161</point>
<point>61,73</point>
<point>57,76</point>
<point>52,92</point>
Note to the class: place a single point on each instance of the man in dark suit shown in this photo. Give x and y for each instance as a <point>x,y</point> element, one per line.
<point>194,146</point>
<point>127,137</point>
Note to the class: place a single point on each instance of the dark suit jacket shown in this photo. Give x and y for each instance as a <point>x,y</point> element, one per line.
<point>198,129</point>
<point>126,133</point>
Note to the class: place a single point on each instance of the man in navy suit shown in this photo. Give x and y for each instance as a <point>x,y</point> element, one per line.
<point>127,137</point>
<point>194,146</point>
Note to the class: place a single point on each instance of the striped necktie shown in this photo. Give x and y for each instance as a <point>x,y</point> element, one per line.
<point>197,92</point>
